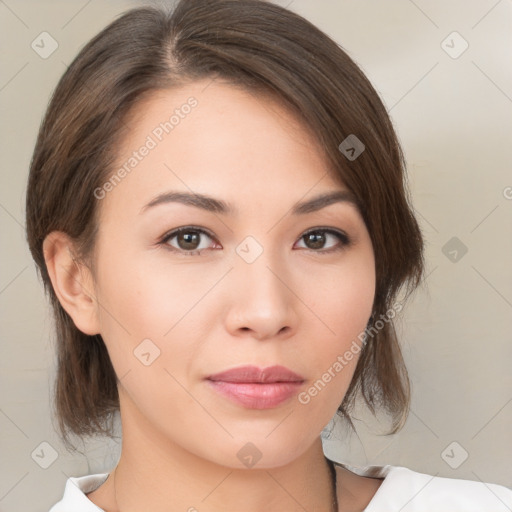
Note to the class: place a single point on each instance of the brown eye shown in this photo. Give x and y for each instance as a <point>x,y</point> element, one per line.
<point>318,238</point>
<point>187,240</point>
<point>315,239</point>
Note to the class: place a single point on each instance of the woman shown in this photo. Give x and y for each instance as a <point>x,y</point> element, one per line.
<point>217,207</point>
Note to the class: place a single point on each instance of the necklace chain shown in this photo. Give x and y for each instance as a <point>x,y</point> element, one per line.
<point>334,480</point>
<point>115,490</point>
<point>332,470</point>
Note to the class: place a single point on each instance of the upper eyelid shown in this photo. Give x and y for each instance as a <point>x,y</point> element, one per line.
<point>173,232</point>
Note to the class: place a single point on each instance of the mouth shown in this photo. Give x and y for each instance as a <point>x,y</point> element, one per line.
<point>257,388</point>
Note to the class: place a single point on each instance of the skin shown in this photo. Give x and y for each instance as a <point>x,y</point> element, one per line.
<point>295,305</point>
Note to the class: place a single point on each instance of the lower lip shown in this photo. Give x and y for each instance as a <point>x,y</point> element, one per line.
<point>257,396</point>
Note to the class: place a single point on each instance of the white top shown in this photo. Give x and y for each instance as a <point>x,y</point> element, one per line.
<point>402,490</point>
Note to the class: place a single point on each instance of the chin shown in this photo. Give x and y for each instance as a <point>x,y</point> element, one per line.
<point>261,451</point>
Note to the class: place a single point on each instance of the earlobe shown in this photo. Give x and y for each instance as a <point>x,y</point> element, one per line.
<point>72,282</point>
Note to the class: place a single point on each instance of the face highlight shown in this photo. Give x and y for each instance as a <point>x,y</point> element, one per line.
<point>229,245</point>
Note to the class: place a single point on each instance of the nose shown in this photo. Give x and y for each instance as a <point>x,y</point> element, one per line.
<point>262,304</point>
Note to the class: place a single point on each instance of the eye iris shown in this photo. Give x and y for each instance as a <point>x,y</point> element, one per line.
<point>316,238</point>
<point>188,237</point>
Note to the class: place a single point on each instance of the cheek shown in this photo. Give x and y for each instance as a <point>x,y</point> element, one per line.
<point>345,301</point>
<point>142,299</point>
<point>147,299</point>
<point>344,307</point>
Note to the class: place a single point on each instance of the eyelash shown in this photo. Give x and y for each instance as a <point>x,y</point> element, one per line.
<point>345,241</point>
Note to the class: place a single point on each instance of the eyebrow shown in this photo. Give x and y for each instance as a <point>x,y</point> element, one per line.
<point>214,205</point>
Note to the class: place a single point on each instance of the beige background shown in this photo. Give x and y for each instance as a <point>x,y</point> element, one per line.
<point>454,118</point>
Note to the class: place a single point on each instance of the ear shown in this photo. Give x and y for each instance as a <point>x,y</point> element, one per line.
<point>72,282</point>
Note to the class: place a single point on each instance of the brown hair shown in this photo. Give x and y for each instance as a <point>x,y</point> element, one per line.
<point>265,49</point>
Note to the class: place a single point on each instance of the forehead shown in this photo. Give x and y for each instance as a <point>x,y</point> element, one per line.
<point>221,140</point>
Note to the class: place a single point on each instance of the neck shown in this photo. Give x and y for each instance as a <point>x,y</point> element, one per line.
<point>158,475</point>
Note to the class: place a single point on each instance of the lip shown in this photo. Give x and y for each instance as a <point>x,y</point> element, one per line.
<point>257,388</point>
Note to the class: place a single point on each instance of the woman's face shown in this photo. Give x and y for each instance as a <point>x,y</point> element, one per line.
<point>254,289</point>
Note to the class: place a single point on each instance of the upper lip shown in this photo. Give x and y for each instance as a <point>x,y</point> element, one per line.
<point>257,375</point>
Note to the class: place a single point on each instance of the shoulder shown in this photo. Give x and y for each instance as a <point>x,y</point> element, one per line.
<point>421,491</point>
<point>410,491</point>
<point>75,494</point>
